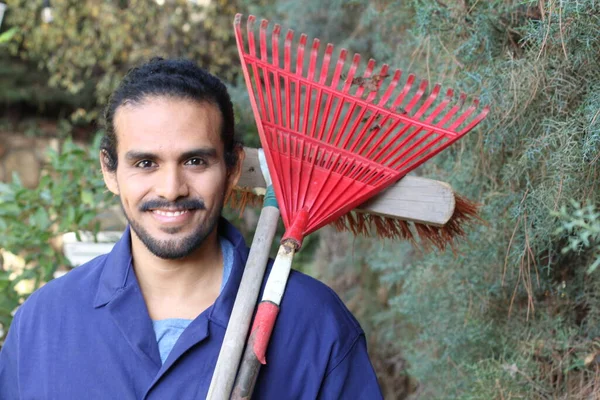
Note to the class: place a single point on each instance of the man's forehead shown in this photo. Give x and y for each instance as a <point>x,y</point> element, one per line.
<point>167,122</point>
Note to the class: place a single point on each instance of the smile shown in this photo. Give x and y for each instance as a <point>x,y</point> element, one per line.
<point>170,213</point>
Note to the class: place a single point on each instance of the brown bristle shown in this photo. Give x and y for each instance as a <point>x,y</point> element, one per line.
<point>239,199</point>
<point>465,212</point>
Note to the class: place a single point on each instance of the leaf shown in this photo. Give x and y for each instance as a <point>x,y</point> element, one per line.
<point>594,266</point>
<point>87,197</point>
<point>41,218</point>
<point>16,180</point>
<point>8,35</point>
<point>6,189</point>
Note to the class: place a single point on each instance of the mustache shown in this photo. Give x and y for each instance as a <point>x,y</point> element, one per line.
<point>183,204</point>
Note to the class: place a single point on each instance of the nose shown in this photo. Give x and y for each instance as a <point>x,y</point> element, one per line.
<point>171,184</point>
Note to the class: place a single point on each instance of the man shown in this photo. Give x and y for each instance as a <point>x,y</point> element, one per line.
<point>147,320</point>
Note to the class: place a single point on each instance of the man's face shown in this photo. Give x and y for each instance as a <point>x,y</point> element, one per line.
<point>171,174</point>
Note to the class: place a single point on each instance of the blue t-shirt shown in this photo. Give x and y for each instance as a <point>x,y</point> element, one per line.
<point>168,330</point>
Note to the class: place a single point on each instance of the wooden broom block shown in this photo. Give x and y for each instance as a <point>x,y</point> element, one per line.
<point>412,198</point>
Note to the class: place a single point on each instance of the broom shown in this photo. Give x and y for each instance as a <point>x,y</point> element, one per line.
<point>329,149</point>
<point>412,208</point>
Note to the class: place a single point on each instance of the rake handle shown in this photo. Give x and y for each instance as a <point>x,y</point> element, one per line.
<point>243,308</point>
<point>256,347</point>
<point>264,321</point>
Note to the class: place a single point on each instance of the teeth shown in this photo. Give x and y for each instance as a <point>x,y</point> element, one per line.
<point>170,213</point>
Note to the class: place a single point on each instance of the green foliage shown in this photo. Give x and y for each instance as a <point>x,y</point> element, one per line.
<point>69,196</point>
<point>583,227</point>
<point>510,315</point>
<point>89,45</point>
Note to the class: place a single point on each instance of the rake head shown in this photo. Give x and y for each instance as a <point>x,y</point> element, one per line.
<point>334,138</point>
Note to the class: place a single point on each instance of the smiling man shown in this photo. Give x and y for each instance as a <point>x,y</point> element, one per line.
<point>147,320</point>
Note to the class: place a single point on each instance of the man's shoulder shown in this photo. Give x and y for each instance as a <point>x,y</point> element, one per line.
<point>75,287</point>
<point>311,307</point>
<point>314,327</point>
<point>308,292</point>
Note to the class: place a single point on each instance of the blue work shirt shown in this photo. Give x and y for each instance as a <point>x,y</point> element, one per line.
<point>88,335</point>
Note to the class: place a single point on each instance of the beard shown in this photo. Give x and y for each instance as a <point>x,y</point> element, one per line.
<point>172,249</point>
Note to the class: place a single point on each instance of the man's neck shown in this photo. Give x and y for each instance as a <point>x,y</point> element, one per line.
<point>181,288</point>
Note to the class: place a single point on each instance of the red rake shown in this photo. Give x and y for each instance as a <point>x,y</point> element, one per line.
<point>332,141</point>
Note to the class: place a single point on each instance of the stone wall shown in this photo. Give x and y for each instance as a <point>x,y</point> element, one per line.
<point>24,155</point>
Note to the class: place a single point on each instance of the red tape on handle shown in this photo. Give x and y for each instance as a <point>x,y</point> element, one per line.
<point>262,328</point>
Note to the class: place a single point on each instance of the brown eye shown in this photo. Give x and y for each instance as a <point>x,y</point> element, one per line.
<point>195,161</point>
<point>144,164</point>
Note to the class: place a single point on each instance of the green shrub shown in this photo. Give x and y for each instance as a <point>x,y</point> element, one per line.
<point>69,196</point>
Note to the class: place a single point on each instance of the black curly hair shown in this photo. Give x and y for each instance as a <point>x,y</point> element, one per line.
<point>175,78</point>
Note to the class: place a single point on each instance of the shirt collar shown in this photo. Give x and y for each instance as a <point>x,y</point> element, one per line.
<point>118,272</point>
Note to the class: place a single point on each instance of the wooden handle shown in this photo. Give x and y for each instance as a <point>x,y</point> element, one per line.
<point>412,198</point>
<point>245,301</point>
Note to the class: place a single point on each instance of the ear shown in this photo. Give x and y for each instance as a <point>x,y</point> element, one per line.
<point>110,177</point>
<point>235,173</point>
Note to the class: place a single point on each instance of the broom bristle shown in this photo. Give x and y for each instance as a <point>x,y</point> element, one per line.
<point>466,212</point>
<point>239,198</point>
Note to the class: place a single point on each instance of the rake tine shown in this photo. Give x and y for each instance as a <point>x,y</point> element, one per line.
<point>276,76</point>
<point>349,82</point>
<point>434,114</point>
<point>388,93</point>
<point>286,65</point>
<point>342,130</point>
<point>407,86</point>
<point>430,99</point>
<point>308,91</point>
<point>250,30</point>
<point>263,39</point>
<point>448,116</point>
<point>386,135</point>
<point>322,79</point>
<point>334,82</point>
<point>455,124</point>
<point>263,56</point>
<point>382,73</point>
<point>303,190</point>
<point>347,85</point>
<point>477,119</point>
<point>296,168</point>
<point>339,68</point>
<point>367,126</point>
<point>257,78</point>
<point>340,103</point>
<point>275,45</point>
<point>359,117</point>
<point>459,121</point>
<point>351,73</point>
<point>474,122</point>
<point>367,74</point>
<point>325,198</point>
<point>298,85</point>
<point>417,96</point>
<point>325,65</point>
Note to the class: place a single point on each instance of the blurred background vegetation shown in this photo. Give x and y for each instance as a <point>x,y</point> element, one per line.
<point>513,313</point>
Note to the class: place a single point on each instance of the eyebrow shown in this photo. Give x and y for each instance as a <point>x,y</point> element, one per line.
<point>205,152</point>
